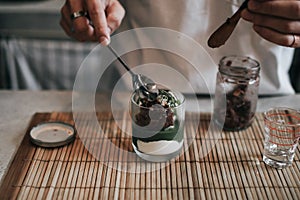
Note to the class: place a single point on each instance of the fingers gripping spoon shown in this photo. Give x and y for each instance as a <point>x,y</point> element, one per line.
<point>142,84</point>
<point>221,35</point>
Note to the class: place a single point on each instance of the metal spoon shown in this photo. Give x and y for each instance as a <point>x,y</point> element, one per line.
<point>142,84</point>
<point>220,36</point>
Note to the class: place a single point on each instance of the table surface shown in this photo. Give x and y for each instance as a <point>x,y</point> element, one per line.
<point>18,107</point>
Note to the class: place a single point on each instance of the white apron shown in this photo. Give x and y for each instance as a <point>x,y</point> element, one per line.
<point>198,19</point>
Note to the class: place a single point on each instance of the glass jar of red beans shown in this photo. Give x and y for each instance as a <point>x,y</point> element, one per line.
<point>236,92</point>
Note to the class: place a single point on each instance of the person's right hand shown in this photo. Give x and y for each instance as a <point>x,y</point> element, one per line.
<point>102,18</point>
<point>277,21</point>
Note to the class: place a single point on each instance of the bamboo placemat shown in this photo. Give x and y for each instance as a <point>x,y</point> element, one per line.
<point>232,170</point>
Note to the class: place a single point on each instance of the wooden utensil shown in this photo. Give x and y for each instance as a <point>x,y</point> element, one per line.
<point>220,36</point>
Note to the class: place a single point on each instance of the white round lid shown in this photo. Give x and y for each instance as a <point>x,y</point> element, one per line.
<point>52,134</point>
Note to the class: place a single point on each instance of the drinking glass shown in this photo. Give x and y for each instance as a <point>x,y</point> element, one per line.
<point>282,132</point>
<point>157,129</point>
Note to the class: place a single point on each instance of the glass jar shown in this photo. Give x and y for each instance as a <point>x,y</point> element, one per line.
<point>237,82</point>
<point>157,126</point>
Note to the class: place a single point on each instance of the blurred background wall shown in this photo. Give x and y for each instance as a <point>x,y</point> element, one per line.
<point>36,54</point>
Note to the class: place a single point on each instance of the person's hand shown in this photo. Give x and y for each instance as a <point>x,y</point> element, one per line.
<point>91,20</point>
<point>277,21</point>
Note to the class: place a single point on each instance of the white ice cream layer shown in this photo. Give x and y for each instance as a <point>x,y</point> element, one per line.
<point>162,147</point>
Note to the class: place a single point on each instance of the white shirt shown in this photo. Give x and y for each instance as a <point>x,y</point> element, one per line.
<point>195,19</point>
<point>198,19</point>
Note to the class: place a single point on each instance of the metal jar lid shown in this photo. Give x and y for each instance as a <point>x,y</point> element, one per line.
<point>52,134</point>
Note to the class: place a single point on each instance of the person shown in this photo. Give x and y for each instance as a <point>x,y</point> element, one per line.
<point>269,31</point>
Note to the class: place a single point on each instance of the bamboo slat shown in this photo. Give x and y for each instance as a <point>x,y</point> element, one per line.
<point>233,168</point>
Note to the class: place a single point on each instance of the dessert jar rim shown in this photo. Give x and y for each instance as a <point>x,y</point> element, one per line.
<point>182,102</point>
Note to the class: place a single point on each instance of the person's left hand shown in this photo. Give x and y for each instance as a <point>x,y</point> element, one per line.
<point>277,21</point>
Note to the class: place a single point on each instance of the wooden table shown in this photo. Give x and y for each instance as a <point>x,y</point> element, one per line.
<point>233,169</point>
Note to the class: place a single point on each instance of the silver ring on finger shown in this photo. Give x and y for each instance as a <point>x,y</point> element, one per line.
<point>296,41</point>
<point>77,14</point>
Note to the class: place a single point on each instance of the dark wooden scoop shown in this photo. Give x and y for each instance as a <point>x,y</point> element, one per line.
<point>221,35</point>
